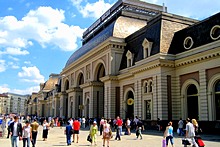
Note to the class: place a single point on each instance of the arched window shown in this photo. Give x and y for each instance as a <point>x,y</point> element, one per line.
<point>145,87</point>
<point>192,102</point>
<point>217,100</point>
<point>150,86</point>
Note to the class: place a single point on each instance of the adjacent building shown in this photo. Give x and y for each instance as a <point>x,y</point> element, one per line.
<point>4,104</point>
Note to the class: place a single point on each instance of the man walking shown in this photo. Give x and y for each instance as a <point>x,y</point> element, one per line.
<point>190,132</point>
<point>34,127</point>
<point>15,132</point>
<point>76,127</point>
<point>119,124</point>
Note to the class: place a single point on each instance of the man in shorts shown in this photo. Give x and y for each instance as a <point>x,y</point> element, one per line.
<point>76,127</point>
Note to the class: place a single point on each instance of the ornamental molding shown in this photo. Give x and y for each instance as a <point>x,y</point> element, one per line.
<point>195,59</point>
<point>109,78</point>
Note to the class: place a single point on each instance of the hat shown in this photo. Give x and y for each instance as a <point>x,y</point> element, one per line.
<point>95,122</point>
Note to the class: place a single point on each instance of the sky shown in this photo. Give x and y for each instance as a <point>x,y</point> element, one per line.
<point>38,36</point>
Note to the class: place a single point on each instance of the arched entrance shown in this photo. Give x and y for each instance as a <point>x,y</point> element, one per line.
<point>79,96</point>
<point>98,91</point>
<point>217,100</point>
<point>192,102</point>
<point>130,105</point>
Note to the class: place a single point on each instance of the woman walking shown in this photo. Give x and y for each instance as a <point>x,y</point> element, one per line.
<point>169,135</point>
<point>45,130</point>
<point>106,133</point>
<point>93,132</point>
<point>26,134</point>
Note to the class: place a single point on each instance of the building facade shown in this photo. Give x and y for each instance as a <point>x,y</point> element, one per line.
<point>15,103</point>
<point>3,104</point>
<point>139,60</point>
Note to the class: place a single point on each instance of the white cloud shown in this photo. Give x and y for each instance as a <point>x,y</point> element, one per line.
<point>5,88</point>
<point>10,9</point>
<point>31,74</point>
<point>2,65</point>
<point>14,51</point>
<point>94,10</point>
<point>13,58</point>
<point>28,90</point>
<point>44,25</point>
<point>27,62</point>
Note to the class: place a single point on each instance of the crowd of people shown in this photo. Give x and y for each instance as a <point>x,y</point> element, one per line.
<point>104,127</point>
<point>190,131</point>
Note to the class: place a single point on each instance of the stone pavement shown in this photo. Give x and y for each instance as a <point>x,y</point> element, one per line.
<point>56,138</point>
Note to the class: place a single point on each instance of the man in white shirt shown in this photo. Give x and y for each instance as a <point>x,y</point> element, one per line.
<point>15,132</point>
<point>190,132</point>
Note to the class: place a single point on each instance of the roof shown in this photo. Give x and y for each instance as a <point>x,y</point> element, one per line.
<point>199,32</point>
<point>112,24</point>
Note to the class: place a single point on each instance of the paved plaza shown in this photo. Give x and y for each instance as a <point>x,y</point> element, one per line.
<point>151,138</point>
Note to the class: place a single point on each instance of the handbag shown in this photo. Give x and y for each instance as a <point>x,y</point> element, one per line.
<point>89,138</point>
<point>137,133</point>
<point>164,142</point>
<point>185,141</point>
<point>110,133</point>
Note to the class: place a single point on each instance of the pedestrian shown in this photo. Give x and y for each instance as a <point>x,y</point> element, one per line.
<point>135,121</point>
<point>180,127</point>
<point>169,135</point>
<point>106,133</point>
<point>190,132</point>
<point>119,124</point>
<point>139,128</point>
<point>101,125</point>
<point>3,126</point>
<point>196,126</point>
<point>9,122</point>
<point>83,122</point>
<point>34,131</point>
<point>76,128</point>
<point>45,130</point>
<point>68,132</point>
<point>61,122</point>
<point>26,134</point>
<point>93,132</point>
<point>128,126</point>
<point>15,132</point>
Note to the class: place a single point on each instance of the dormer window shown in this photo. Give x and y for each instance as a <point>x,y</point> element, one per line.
<point>129,56</point>
<point>147,46</point>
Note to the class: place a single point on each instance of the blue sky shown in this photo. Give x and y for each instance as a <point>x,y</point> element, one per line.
<point>38,36</point>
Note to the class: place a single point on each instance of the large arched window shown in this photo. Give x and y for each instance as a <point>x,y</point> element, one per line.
<point>217,100</point>
<point>192,102</point>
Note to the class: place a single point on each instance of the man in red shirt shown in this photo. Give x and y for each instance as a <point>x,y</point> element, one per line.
<point>119,123</point>
<point>76,127</point>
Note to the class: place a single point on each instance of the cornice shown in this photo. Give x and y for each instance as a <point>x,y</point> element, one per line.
<point>90,84</point>
<point>203,56</point>
<point>109,78</point>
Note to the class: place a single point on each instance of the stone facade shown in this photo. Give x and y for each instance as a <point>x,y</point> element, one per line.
<point>167,68</point>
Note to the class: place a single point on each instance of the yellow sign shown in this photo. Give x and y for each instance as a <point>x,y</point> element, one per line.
<point>130,101</point>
